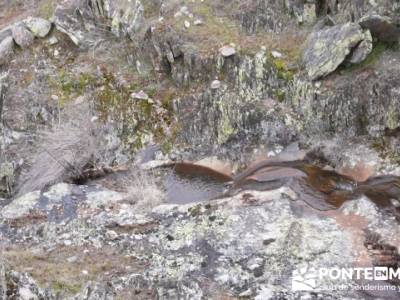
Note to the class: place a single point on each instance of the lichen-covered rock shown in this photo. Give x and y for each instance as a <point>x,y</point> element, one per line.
<point>347,104</point>
<point>14,285</point>
<point>328,48</point>
<point>6,49</point>
<point>84,21</point>
<point>39,27</point>
<point>360,53</point>
<point>21,207</point>
<point>249,244</point>
<point>22,36</point>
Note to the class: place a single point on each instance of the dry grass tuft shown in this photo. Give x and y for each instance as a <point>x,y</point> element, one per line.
<point>63,151</point>
<point>143,188</point>
<point>52,269</point>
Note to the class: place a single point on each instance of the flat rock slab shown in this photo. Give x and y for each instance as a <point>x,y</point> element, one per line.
<point>328,48</point>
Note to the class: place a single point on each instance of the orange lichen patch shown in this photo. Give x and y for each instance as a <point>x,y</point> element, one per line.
<point>355,225</point>
<point>361,171</point>
<point>214,163</point>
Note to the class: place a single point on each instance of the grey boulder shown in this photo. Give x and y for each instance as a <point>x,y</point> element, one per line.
<point>6,49</point>
<point>382,28</point>
<point>39,27</point>
<point>22,36</point>
<point>327,49</point>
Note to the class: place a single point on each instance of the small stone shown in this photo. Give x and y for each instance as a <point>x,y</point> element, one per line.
<point>198,22</point>
<point>246,293</point>
<point>38,26</point>
<point>84,272</point>
<point>140,96</point>
<point>67,242</point>
<point>187,24</point>
<point>178,15</point>
<point>53,40</point>
<point>216,84</point>
<point>72,259</point>
<point>56,53</point>
<point>111,235</point>
<point>54,97</point>
<point>227,51</point>
<point>276,54</point>
<point>22,36</point>
<point>184,10</point>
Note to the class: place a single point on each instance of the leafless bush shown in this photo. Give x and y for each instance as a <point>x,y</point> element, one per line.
<point>63,151</point>
<point>143,189</point>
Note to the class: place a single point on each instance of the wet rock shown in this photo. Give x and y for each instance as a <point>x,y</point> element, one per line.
<point>22,36</point>
<point>328,48</point>
<point>6,49</point>
<point>39,27</point>
<point>382,28</point>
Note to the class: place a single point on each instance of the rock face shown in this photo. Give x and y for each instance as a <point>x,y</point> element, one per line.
<point>239,243</point>
<point>84,20</point>
<point>328,48</point>
<point>150,80</point>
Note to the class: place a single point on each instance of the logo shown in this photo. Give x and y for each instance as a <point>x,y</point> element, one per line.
<point>304,279</point>
<point>334,278</point>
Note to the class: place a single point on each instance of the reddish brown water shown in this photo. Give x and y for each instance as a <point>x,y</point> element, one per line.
<point>321,189</point>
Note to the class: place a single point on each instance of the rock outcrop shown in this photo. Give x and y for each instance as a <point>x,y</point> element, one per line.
<point>239,243</point>
<point>86,21</point>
